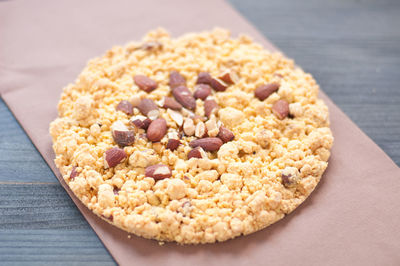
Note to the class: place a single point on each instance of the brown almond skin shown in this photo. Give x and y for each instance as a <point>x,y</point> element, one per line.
<point>262,92</point>
<point>229,77</point>
<point>138,123</point>
<point>147,105</point>
<point>116,190</point>
<point>142,124</point>
<point>152,45</point>
<point>202,91</point>
<point>195,153</point>
<point>225,134</point>
<point>287,180</point>
<point>173,144</point>
<point>114,156</point>
<point>146,123</point>
<point>171,103</point>
<point>145,83</point>
<point>218,85</point>
<point>176,79</point>
<point>210,106</point>
<point>124,138</point>
<point>204,78</point>
<point>157,130</point>
<point>208,144</point>
<point>183,96</point>
<point>281,109</point>
<point>125,106</point>
<point>151,172</point>
<point>73,173</point>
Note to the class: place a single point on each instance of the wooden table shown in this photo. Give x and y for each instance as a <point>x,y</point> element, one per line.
<point>351,47</point>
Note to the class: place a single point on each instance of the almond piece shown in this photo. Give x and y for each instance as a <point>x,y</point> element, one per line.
<point>218,84</point>
<point>290,177</point>
<point>204,78</point>
<point>281,109</point>
<point>188,127</point>
<point>202,91</point>
<point>176,79</point>
<point>210,107</point>
<point>137,121</point>
<point>229,77</point>
<point>188,113</point>
<point>176,116</point>
<point>125,106</point>
<point>183,95</point>
<point>208,144</point>
<point>171,103</point>
<point>135,100</point>
<point>195,153</point>
<point>151,46</point>
<point>140,121</point>
<point>262,92</point>
<point>122,135</point>
<point>73,173</point>
<point>158,171</point>
<point>200,130</point>
<point>173,144</point>
<point>124,138</point>
<point>225,134</point>
<point>157,130</point>
<point>148,108</point>
<point>145,83</point>
<point>212,126</point>
<point>113,156</point>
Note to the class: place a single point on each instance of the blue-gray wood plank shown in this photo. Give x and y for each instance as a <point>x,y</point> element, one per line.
<point>344,44</point>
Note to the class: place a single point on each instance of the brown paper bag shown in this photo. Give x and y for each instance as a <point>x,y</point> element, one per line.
<point>351,219</point>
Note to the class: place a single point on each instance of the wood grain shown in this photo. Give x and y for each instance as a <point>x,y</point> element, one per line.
<point>352,49</point>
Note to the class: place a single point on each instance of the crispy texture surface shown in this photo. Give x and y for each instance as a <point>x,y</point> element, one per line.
<point>270,167</point>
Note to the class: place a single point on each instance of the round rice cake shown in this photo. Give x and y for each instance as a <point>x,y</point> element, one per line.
<point>196,139</point>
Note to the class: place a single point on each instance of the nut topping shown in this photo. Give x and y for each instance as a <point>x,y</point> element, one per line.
<point>149,108</point>
<point>212,126</point>
<point>202,91</point>
<point>229,77</point>
<point>188,127</point>
<point>73,173</point>
<point>158,171</point>
<point>290,177</point>
<point>122,135</point>
<point>262,92</point>
<point>157,130</point>
<point>225,134</point>
<point>125,106</point>
<point>113,156</point>
<point>197,152</point>
<point>208,144</point>
<point>171,103</point>
<point>152,45</point>
<point>176,79</point>
<point>183,95</point>
<point>215,83</point>
<point>124,138</point>
<point>140,121</point>
<point>204,78</point>
<point>200,130</point>
<point>218,85</point>
<point>281,109</point>
<point>173,144</point>
<point>210,107</point>
<point>145,83</point>
<point>176,116</point>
